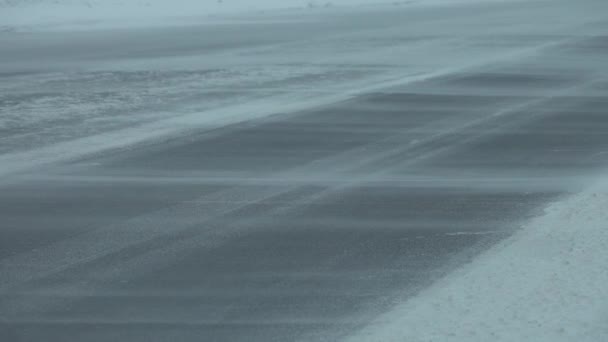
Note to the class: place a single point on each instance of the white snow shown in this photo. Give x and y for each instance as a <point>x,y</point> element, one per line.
<point>546,283</point>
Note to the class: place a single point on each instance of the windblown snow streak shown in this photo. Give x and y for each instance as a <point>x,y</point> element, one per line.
<point>314,177</point>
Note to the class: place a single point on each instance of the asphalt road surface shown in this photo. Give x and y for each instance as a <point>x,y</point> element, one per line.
<point>305,225</point>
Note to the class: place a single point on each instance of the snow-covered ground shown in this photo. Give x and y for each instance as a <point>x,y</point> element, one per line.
<point>27,15</point>
<point>83,14</point>
<point>546,283</point>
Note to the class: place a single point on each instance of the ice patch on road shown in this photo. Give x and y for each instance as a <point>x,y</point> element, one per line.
<point>545,283</point>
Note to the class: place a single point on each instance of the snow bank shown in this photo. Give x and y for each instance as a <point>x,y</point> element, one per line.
<point>549,282</point>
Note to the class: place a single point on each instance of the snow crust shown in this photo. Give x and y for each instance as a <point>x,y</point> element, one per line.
<point>546,283</point>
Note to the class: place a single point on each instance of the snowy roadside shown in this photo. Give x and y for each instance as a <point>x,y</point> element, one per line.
<point>546,283</point>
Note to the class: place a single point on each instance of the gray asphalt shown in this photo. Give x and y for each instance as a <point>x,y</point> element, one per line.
<point>303,225</point>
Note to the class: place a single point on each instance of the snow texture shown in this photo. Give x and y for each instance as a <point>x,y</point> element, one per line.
<point>546,283</point>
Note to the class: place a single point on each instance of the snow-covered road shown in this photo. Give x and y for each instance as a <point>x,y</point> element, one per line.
<point>375,174</point>
<point>123,86</point>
